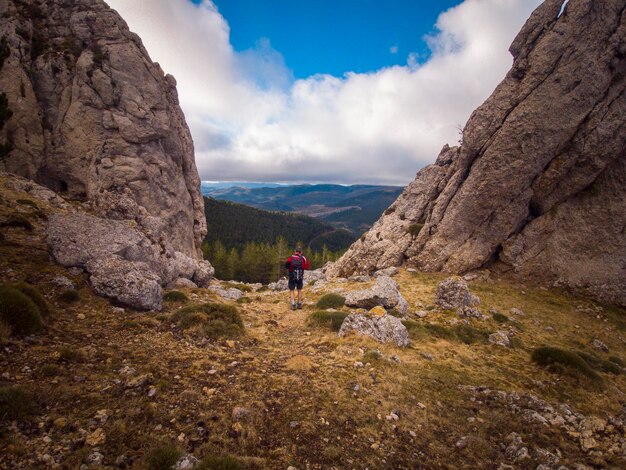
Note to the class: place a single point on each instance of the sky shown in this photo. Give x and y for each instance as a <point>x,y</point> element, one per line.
<point>344,91</point>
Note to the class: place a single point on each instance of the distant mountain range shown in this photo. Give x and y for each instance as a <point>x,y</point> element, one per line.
<point>237,224</point>
<point>354,208</point>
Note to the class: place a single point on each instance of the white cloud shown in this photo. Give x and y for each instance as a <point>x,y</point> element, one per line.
<point>251,121</point>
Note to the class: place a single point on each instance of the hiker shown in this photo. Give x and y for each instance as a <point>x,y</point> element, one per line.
<point>296,264</point>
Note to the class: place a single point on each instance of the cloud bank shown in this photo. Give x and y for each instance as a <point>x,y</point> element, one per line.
<point>252,121</point>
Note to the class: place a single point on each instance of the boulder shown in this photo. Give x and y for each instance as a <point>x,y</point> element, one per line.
<point>230,294</point>
<point>281,285</point>
<point>313,276</point>
<point>384,329</point>
<point>535,190</point>
<point>181,282</point>
<point>130,283</point>
<point>453,293</point>
<point>500,338</point>
<point>86,241</point>
<point>385,292</point>
<point>186,462</point>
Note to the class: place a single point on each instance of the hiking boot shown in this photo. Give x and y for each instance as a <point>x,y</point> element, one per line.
<point>299,305</point>
<point>293,306</point>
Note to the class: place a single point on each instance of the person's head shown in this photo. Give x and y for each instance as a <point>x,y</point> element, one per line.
<point>298,249</point>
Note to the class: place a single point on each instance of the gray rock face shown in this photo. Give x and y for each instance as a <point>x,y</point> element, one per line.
<point>453,293</point>
<point>99,246</point>
<point>95,120</point>
<point>384,293</point>
<point>383,329</point>
<point>131,283</point>
<point>538,186</point>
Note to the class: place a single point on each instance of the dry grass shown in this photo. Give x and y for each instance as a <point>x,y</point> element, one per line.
<point>309,405</point>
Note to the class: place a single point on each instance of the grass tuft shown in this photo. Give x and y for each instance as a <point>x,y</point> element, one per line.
<point>500,317</point>
<point>221,462</point>
<point>469,334</point>
<point>332,320</point>
<point>67,354</point>
<point>561,361</point>
<point>19,312</point>
<point>175,296</point>
<point>414,229</point>
<point>331,301</point>
<point>49,370</point>
<point>212,320</point>
<point>33,294</point>
<point>162,457</point>
<point>69,296</point>
<point>617,360</point>
<point>15,403</point>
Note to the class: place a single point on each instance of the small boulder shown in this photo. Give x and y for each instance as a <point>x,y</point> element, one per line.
<point>383,329</point>
<point>385,293</point>
<point>186,462</point>
<point>182,282</point>
<point>390,271</point>
<point>230,294</point>
<point>599,345</point>
<point>131,283</point>
<point>500,338</point>
<point>63,282</point>
<point>453,293</point>
<point>281,285</point>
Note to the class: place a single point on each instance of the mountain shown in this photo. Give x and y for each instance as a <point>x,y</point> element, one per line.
<point>538,186</point>
<point>236,224</point>
<point>87,114</point>
<point>353,208</point>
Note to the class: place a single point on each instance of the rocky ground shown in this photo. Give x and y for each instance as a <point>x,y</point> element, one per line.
<point>109,385</point>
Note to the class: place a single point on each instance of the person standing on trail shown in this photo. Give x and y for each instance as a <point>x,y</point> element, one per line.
<point>296,264</point>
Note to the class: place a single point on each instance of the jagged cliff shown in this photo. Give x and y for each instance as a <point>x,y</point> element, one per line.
<point>95,119</point>
<point>91,117</point>
<point>538,185</point>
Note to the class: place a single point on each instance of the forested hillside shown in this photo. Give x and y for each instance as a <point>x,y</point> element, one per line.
<point>235,225</point>
<point>251,245</point>
<point>354,208</point>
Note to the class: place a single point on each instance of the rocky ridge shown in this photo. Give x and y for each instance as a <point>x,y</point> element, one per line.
<point>96,121</point>
<point>537,186</point>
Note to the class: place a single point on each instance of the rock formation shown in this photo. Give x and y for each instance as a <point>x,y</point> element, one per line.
<point>96,121</point>
<point>538,185</point>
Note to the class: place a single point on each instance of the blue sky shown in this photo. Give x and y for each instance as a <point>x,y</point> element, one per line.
<point>294,91</point>
<point>335,37</point>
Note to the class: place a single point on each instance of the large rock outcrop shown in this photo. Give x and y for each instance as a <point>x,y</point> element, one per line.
<point>95,120</point>
<point>538,185</point>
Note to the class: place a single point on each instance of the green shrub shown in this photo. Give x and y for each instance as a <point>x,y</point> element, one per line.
<point>390,210</point>
<point>440,331</point>
<point>372,356</point>
<point>49,370</point>
<point>162,457</point>
<point>69,296</point>
<point>212,319</point>
<point>68,354</point>
<point>19,312</point>
<point>616,360</point>
<point>5,331</point>
<point>563,361</point>
<point>222,462</point>
<point>175,296</point>
<point>414,229</point>
<point>469,335</point>
<point>330,301</point>
<point>500,317</point>
<point>33,294</point>
<point>600,364</point>
<point>18,221</point>
<point>324,319</point>
<point>15,403</point>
